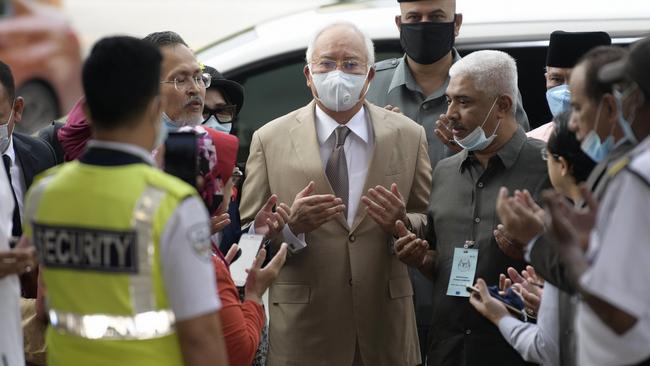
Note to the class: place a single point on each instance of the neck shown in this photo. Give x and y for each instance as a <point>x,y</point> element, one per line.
<point>506,130</point>
<point>573,192</point>
<point>127,135</point>
<point>342,117</point>
<point>431,77</point>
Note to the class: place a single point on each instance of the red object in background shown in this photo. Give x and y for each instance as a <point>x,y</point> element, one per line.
<point>43,51</point>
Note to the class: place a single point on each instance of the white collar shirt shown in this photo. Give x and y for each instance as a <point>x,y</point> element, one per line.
<point>17,179</point>
<point>358,149</point>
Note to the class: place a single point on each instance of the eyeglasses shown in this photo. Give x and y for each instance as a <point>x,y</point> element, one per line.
<point>545,154</point>
<point>183,83</point>
<point>351,66</point>
<point>223,113</point>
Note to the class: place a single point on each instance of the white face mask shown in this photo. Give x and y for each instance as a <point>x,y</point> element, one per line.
<point>216,125</point>
<point>4,132</point>
<point>476,140</point>
<point>337,90</point>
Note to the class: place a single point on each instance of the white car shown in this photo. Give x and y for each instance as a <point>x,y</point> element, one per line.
<point>268,58</point>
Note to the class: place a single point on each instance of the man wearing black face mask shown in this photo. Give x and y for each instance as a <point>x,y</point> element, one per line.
<point>415,85</point>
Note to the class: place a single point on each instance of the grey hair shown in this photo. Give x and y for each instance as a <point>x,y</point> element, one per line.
<point>370,47</point>
<point>493,72</point>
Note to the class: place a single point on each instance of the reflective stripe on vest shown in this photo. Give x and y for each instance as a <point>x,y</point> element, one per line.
<point>148,325</point>
<point>147,322</point>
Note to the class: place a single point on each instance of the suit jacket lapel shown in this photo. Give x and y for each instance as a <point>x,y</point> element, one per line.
<point>384,140</point>
<point>306,146</point>
<point>26,160</point>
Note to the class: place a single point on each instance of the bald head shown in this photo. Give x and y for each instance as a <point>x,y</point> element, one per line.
<point>341,41</point>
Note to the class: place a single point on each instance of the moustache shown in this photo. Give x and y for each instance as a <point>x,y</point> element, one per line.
<point>194,99</point>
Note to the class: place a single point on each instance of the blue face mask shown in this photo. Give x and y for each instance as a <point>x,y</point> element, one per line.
<point>215,125</point>
<point>626,125</point>
<point>169,123</point>
<point>559,99</point>
<point>476,140</point>
<point>591,145</point>
<point>161,135</point>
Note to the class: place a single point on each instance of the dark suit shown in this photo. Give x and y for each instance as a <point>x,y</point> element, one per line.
<point>33,156</point>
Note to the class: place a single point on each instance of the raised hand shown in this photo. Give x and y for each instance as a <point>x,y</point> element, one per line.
<point>443,132</point>
<point>392,108</point>
<point>485,304</point>
<point>269,223</point>
<point>308,211</point>
<point>17,261</point>
<point>259,279</point>
<point>385,207</point>
<point>408,248</point>
<point>521,223</point>
<point>219,222</point>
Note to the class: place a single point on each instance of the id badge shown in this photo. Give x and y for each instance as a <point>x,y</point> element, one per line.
<point>462,271</point>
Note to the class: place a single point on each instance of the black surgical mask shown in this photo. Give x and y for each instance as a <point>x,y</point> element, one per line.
<point>427,42</point>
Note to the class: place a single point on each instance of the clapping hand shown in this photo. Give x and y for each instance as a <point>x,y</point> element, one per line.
<point>269,223</point>
<point>310,211</point>
<point>385,207</point>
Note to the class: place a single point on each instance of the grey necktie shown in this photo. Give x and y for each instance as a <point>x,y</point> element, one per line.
<point>337,167</point>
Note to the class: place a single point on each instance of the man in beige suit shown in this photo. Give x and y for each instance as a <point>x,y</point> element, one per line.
<point>342,298</point>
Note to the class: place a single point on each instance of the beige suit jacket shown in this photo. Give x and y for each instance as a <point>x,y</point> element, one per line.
<point>346,286</point>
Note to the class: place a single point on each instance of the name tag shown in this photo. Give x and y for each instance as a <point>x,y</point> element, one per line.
<point>86,249</point>
<point>462,271</point>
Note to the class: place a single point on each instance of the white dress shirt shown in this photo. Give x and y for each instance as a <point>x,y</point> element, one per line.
<point>17,179</point>
<point>11,334</point>
<point>619,271</point>
<point>538,343</point>
<point>358,148</point>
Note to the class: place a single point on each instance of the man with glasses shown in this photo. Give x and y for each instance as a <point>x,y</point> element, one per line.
<point>183,81</point>
<point>343,298</point>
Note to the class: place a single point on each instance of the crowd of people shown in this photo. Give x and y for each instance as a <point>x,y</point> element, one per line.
<point>405,216</point>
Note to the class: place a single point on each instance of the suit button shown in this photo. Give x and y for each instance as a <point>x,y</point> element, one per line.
<point>477,220</point>
<point>352,238</point>
<point>350,282</point>
<point>480,184</point>
<point>468,331</point>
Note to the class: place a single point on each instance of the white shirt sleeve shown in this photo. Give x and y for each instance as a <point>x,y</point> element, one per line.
<point>536,343</point>
<point>529,248</point>
<point>186,261</point>
<point>620,273</point>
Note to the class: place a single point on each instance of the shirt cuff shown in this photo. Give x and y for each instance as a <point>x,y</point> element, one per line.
<point>529,247</point>
<point>507,326</point>
<point>296,243</point>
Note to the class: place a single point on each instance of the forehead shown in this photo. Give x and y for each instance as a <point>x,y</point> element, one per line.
<point>178,59</point>
<point>463,85</point>
<point>428,6</point>
<point>214,96</point>
<point>563,71</point>
<point>340,42</point>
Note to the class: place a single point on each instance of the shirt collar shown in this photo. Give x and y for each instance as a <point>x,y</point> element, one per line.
<point>404,76</point>
<point>10,152</point>
<point>325,125</point>
<point>123,147</point>
<point>508,154</point>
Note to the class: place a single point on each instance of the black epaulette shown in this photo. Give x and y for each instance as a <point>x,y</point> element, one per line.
<point>391,63</point>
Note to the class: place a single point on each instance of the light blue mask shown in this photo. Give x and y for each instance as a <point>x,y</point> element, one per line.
<point>591,145</point>
<point>476,140</point>
<point>559,99</point>
<point>162,133</point>
<point>169,123</point>
<point>626,125</point>
<point>215,125</point>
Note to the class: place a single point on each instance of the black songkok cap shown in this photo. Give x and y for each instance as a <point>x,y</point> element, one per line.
<point>566,48</point>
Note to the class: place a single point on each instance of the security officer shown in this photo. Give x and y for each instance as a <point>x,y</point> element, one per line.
<point>124,247</point>
<point>416,85</point>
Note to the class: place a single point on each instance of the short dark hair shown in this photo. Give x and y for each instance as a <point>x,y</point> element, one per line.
<point>165,38</point>
<point>563,142</point>
<point>120,78</point>
<point>7,81</point>
<point>593,61</point>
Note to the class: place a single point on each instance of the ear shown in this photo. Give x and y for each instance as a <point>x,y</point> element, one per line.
<point>398,22</point>
<point>307,74</point>
<point>155,108</point>
<point>371,74</point>
<point>459,22</point>
<point>609,110</point>
<point>564,166</point>
<point>504,106</point>
<point>19,107</point>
